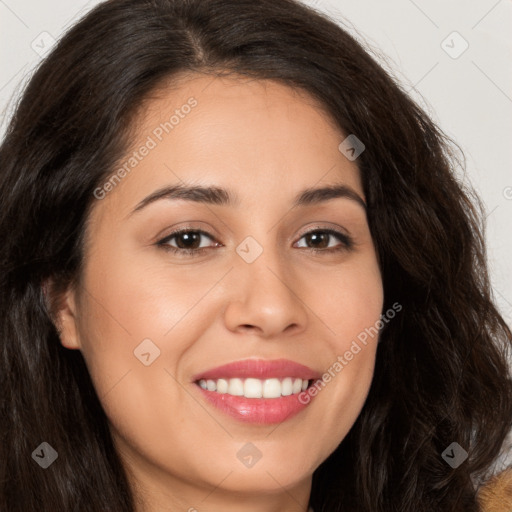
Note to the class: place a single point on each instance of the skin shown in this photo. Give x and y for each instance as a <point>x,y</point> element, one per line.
<point>265,142</point>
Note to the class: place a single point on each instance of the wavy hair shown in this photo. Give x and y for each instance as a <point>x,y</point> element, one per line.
<point>441,372</point>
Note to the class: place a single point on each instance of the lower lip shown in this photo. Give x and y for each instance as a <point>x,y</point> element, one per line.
<point>262,411</point>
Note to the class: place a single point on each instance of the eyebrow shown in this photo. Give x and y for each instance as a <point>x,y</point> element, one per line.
<point>223,197</point>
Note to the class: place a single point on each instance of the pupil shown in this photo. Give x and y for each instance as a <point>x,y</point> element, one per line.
<point>316,236</point>
<point>190,239</point>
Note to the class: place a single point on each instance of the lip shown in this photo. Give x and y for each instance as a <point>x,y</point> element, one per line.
<point>259,411</point>
<point>259,369</point>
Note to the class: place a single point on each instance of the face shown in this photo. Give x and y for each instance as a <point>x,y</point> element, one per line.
<point>268,277</point>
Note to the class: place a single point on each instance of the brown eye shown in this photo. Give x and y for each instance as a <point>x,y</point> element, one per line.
<point>188,241</point>
<point>320,239</point>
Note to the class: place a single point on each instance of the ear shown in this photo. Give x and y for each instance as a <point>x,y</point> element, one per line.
<point>61,304</point>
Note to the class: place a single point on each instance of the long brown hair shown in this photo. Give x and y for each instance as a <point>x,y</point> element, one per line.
<point>441,373</point>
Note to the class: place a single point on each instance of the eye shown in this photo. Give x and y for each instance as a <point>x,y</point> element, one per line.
<point>321,238</point>
<point>188,241</point>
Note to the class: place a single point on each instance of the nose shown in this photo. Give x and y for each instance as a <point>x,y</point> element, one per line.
<point>265,298</point>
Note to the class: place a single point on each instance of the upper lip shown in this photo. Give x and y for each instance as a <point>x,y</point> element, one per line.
<point>260,369</point>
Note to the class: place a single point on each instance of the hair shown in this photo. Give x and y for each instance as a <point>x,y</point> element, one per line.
<point>441,373</point>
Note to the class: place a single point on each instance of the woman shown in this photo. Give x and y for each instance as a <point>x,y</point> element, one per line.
<point>238,273</point>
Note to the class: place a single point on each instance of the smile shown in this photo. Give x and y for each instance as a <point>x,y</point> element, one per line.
<point>257,391</point>
<point>256,388</point>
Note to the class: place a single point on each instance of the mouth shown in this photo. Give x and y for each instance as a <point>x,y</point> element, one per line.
<point>258,391</point>
<point>256,388</point>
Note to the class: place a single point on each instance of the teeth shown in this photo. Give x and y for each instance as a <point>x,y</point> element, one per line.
<point>235,387</point>
<point>256,388</point>
<point>287,386</point>
<point>222,386</point>
<point>253,388</point>
<point>272,388</point>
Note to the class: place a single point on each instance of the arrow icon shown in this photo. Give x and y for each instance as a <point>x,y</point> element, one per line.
<point>351,147</point>
<point>249,455</point>
<point>143,354</point>
<point>43,43</point>
<point>44,455</point>
<point>454,455</point>
<point>249,253</point>
<point>454,45</point>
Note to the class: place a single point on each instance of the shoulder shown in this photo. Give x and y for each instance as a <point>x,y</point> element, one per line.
<point>496,494</point>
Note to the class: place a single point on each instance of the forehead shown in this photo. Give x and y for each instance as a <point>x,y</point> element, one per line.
<point>261,138</point>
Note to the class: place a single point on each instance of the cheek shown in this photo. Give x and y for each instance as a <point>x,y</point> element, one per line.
<point>133,315</point>
<point>356,322</point>
<point>352,301</point>
<point>132,301</point>
<point>350,309</point>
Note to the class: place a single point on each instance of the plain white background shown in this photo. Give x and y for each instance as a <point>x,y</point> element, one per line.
<point>454,57</point>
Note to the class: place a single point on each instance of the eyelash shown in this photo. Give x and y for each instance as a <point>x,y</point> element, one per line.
<point>347,242</point>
